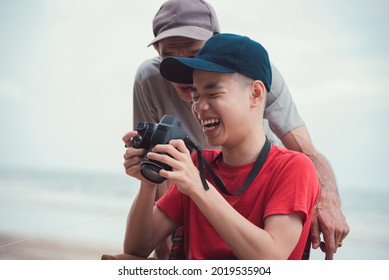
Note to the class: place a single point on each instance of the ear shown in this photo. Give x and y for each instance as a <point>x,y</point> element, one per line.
<point>258,94</point>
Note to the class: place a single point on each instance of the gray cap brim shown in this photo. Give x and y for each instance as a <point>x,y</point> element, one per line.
<point>193,32</point>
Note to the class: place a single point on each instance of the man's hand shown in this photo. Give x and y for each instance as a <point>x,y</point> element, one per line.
<point>327,216</point>
<point>328,219</point>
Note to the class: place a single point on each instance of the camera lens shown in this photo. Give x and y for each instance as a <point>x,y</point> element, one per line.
<point>150,171</point>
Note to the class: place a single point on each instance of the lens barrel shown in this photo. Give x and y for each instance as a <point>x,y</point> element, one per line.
<point>150,171</point>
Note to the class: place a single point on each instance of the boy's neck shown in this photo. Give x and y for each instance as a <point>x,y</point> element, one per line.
<point>244,153</point>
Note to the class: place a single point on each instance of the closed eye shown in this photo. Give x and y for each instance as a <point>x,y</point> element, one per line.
<point>195,97</point>
<point>214,94</point>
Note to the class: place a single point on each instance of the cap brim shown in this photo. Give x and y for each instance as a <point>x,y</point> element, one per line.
<point>180,69</point>
<point>193,32</point>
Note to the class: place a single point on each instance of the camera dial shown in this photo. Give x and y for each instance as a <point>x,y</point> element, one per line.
<point>136,141</point>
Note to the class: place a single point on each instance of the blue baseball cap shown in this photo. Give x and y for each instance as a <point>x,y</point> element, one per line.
<point>223,53</point>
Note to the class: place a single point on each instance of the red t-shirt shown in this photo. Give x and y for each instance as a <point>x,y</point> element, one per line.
<point>286,183</point>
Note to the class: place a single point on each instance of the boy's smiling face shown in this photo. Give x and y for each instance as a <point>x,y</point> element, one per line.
<point>222,106</point>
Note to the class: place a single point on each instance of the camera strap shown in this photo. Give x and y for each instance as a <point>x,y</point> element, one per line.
<point>219,182</point>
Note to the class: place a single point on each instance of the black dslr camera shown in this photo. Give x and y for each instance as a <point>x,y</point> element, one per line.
<point>152,134</point>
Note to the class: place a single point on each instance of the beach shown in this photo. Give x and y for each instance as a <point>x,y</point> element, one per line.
<point>66,216</point>
<point>46,215</point>
<point>48,249</point>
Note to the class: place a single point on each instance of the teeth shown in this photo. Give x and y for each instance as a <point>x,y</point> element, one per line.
<point>209,124</point>
<point>208,121</point>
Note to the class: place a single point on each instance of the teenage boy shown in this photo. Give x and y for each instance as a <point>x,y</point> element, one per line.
<point>257,199</point>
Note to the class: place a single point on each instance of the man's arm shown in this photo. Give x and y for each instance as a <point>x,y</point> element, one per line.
<point>327,217</point>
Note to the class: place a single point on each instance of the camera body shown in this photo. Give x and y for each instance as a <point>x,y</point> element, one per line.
<point>152,134</point>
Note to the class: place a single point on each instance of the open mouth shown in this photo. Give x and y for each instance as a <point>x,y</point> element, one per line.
<point>209,124</point>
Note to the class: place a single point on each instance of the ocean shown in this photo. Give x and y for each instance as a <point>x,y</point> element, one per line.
<point>91,209</point>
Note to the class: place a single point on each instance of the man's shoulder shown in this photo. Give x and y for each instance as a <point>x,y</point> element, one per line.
<point>278,86</point>
<point>148,69</point>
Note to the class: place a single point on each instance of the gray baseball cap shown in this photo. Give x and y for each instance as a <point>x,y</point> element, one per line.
<point>194,19</point>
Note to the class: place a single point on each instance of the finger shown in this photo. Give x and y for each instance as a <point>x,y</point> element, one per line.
<point>345,232</point>
<point>323,246</point>
<point>315,235</point>
<point>332,239</point>
<point>179,145</point>
<point>128,136</point>
<point>133,156</point>
<point>162,157</point>
<point>132,162</point>
<point>329,255</point>
<point>166,149</point>
<point>340,234</point>
<point>132,152</point>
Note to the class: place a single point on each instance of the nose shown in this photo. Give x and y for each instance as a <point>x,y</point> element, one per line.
<point>200,105</point>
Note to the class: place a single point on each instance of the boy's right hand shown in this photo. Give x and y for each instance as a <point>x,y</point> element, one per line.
<point>132,157</point>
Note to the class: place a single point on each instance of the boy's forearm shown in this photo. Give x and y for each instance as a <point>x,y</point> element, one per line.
<point>140,222</point>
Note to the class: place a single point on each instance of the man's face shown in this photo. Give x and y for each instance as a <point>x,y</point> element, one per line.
<point>183,47</point>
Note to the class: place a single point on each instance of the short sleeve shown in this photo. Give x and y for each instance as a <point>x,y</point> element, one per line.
<point>281,111</point>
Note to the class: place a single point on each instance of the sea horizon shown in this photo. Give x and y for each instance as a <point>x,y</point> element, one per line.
<point>90,208</point>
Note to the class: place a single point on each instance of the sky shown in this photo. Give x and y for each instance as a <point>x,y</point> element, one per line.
<point>67,69</point>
